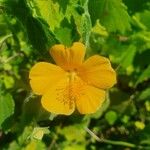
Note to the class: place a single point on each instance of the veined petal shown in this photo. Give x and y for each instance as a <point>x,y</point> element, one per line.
<point>90,100</point>
<point>59,98</point>
<point>77,53</point>
<point>97,71</point>
<point>44,75</point>
<point>68,58</point>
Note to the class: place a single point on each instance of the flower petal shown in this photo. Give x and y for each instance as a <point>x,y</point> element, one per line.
<point>90,100</point>
<point>43,75</point>
<point>77,53</point>
<point>97,71</point>
<point>68,58</point>
<point>58,99</point>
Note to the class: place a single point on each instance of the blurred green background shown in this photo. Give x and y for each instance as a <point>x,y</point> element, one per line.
<point>117,29</point>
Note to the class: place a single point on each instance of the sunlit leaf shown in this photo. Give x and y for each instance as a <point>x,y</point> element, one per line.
<point>112,14</point>
<point>8,81</point>
<point>35,145</point>
<point>99,29</point>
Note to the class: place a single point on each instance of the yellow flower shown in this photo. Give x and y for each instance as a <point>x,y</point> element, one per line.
<point>72,83</point>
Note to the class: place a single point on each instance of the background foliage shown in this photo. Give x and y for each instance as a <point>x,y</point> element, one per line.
<point>118,29</point>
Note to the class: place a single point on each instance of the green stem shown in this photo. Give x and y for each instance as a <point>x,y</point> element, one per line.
<point>121,143</point>
<point>86,24</point>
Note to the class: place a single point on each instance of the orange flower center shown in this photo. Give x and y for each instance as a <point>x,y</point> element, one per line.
<point>73,90</point>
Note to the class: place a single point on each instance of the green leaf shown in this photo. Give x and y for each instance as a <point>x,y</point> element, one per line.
<point>144,18</point>
<point>144,95</point>
<point>125,119</point>
<point>111,13</point>
<point>38,132</point>
<point>75,147</point>
<point>75,132</point>
<point>144,135</point>
<point>7,67</point>
<point>144,56</point>
<point>31,110</point>
<point>82,21</point>
<point>8,81</point>
<point>147,105</point>
<point>141,37</point>
<point>145,75</point>
<point>66,33</point>
<point>39,34</point>
<point>25,135</point>
<point>135,5</point>
<point>62,24</point>
<point>138,23</point>
<point>14,146</point>
<point>111,117</point>
<point>6,107</point>
<point>139,124</point>
<point>50,11</point>
<point>99,29</point>
<point>128,57</point>
<point>60,32</point>
<point>35,145</point>
<point>53,12</point>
